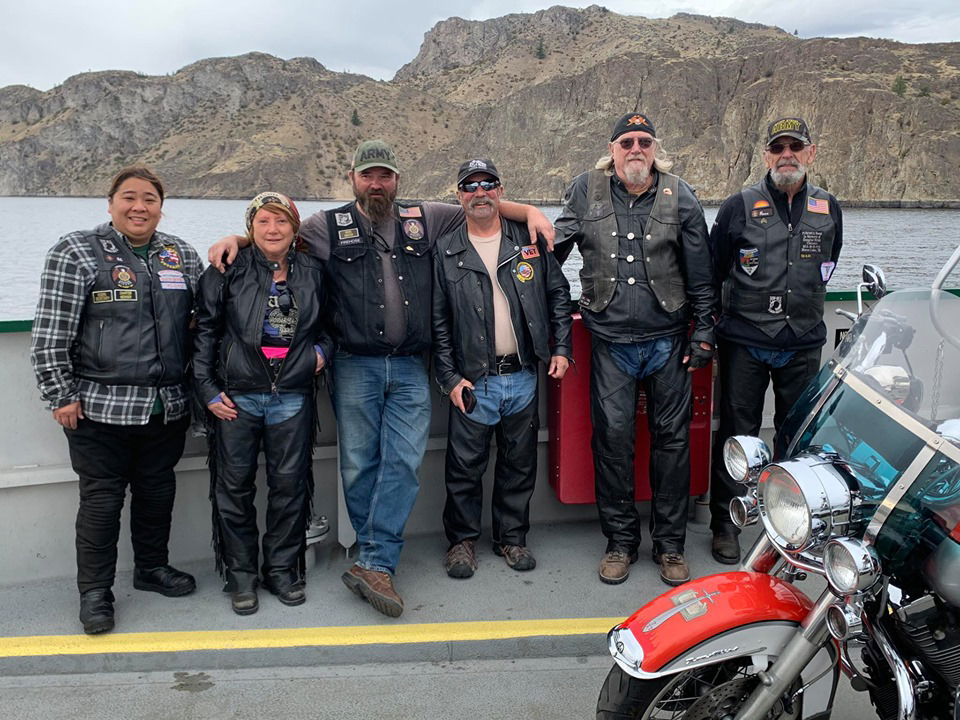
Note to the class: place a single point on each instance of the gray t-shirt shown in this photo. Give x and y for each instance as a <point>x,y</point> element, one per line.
<point>439,219</point>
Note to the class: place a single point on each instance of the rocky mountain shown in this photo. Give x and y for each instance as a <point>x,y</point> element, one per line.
<point>536,92</point>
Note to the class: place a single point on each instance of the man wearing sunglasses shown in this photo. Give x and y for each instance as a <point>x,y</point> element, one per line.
<point>500,305</point>
<point>646,272</point>
<point>775,245</point>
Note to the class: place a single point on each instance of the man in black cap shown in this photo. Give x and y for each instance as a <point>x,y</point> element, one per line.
<point>500,305</point>
<point>646,272</point>
<point>775,245</point>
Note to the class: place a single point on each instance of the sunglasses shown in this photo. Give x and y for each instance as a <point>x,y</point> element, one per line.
<point>284,299</point>
<point>644,142</point>
<point>778,147</point>
<point>487,185</point>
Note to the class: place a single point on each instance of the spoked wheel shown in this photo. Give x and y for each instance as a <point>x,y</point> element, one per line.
<point>711,693</point>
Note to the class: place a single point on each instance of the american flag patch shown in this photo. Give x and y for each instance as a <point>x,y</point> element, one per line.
<point>409,212</point>
<point>816,205</point>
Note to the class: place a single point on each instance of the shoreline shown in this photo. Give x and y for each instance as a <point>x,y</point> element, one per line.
<point>541,202</point>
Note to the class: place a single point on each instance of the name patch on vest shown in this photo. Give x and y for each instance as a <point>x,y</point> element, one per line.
<point>125,295</point>
<point>818,205</point>
<point>413,229</point>
<point>810,244</point>
<point>343,219</point>
<point>348,235</point>
<point>169,257</point>
<point>749,260</point>
<point>102,296</point>
<point>761,209</point>
<point>123,277</point>
<point>530,251</point>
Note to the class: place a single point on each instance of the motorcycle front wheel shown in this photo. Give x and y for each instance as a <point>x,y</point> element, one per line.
<point>710,693</point>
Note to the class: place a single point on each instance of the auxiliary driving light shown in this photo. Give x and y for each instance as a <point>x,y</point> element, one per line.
<point>744,456</point>
<point>851,566</point>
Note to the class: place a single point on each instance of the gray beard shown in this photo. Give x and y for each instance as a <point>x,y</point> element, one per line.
<point>784,178</point>
<point>637,176</point>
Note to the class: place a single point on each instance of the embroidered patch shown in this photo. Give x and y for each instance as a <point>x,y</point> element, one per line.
<point>749,260</point>
<point>125,295</point>
<point>347,234</point>
<point>343,219</point>
<point>409,212</point>
<point>123,277</point>
<point>763,212</point>
<point>667,191</point>
<point>818,205</point>
<point>810,244</point>
<point>102,296</point>
<point>524,271</point>
<point>530,251</point>
<point>169,257</point>
<point>826,270</point>
<point>776,305</point>
<point>413,229</point>
<point>108,245</point>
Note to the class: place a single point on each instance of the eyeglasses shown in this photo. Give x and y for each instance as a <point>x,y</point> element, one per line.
<point>644,142</point>
<point>284,299</point>
<point>487,185</point>
<point>778,147</point>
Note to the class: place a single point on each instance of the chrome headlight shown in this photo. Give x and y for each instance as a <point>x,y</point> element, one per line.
<point>803,502</point>
<point>744,456</point>
<point>851,566</point>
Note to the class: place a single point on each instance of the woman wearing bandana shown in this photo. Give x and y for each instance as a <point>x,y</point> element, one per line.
<point>259,346</point>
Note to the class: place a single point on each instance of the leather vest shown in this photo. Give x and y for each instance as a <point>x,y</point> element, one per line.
<point>779,273</point>
<point>660,245</point>
<point>354,276</point>
<point>136,318</point>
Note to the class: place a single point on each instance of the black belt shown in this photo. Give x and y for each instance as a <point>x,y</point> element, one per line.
<point>506,364</point>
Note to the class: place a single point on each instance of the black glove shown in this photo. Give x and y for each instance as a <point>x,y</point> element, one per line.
<point>699,357</point>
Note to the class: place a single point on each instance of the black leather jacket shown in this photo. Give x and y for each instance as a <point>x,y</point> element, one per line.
<point>227,355</point>
<point>463,322</point>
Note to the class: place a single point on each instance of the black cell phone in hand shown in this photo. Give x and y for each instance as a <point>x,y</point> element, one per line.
<point>469,400</point>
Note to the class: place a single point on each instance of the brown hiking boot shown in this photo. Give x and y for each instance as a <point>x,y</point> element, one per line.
<point>615,566</point>
<point>673,568</point>
<point>461,560</point>
<point>518,557</point>
<point>376,588</point>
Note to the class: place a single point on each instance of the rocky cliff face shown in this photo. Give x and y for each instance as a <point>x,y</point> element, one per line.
<point>537,92</point>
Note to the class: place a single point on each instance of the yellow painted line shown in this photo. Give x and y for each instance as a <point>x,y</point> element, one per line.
<point>298,637</point>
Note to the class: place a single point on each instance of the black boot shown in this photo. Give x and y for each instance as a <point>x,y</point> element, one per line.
<point>96,611</point>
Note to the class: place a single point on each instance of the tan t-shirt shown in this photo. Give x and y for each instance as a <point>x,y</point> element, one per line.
<point>489,250</point>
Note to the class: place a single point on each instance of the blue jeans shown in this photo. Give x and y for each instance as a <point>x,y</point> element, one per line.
<point>499,396</point>
<point>272,408</point>
<point>774,358</point>
<point>382,404</point>
<point>642,359</point>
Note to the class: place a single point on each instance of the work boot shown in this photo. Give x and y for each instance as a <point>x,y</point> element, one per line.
<point>244,602</point>
<point>165,580</point>
<point>96,611</point>
<point>518,557</point>
<point>615,566</point>
<point>376,588</point>
<point>461,560</point>
<point>673,568</point>
<point>725,547</point>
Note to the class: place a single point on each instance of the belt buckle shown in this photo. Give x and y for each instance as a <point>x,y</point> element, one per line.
<point>502,365</point>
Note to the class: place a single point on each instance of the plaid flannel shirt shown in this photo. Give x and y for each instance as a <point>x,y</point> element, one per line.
<point>68,275</point>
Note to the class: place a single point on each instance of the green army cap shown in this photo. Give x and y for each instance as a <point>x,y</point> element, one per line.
<point>374,153</point>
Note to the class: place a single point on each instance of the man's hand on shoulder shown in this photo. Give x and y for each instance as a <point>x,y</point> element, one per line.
<point>224,251</point>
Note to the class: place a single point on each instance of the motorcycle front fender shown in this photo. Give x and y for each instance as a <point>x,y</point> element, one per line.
<point>714,618</point>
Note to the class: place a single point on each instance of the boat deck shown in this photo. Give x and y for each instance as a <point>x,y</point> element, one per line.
<point>559,609</point>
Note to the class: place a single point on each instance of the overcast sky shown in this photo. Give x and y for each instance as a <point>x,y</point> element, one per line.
<point>43,43</point>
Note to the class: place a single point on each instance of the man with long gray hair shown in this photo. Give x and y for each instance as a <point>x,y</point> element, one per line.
<point>646,273</point>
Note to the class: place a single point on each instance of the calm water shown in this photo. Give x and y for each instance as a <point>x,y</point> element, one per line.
<point>910,245</point>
